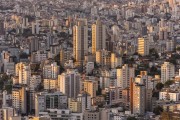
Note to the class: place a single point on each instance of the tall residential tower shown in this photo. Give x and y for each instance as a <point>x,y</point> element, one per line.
<point>143,46</point>
<point>80,40</point>
<point>98,36</point>
<point>167,71</point>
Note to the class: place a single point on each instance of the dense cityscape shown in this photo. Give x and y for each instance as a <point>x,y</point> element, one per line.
<point>89,59</point>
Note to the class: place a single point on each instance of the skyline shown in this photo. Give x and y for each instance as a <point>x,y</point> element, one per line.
<point>89,59</point>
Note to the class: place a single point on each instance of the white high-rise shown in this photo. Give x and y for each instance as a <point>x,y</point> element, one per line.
<point>35,27</point>
<point>98,36</point>
<point>170,46</point>
<point>69,83</point>
<point>51,70</point>
<point>124,75</point>
<point>167,71</point>
<point>80,40</point>
<point>24,72</point>
<point>35,80</point>
<point>39,103</point>
<point>85,100</point>
<point>19,100</point>
<point>6,113</point>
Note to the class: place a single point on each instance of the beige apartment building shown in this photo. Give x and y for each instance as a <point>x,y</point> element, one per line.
<point>98,36</point>
<point>80,40</point>
<point>143,46</point>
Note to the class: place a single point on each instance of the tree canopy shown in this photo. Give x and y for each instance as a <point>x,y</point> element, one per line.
<point>131,118</point>
<point>159,86</point>
<point>168,83</point>
<point>158,110</point>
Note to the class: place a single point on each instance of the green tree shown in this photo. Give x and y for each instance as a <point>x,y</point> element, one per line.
<point>96,65</point>
<point>158,110</point>
<point>168,83</point>
<point>62,69</point>
<point>40,87</point>
<point>57,58</point>
<point>132,60</point>
<point>35,67</point>
<point>8,88</point>
<point>1,84</point>
<point>27,32</point>
<point>136,53</point>
<point>178,48</point>
<point>173,61</point>
<point>98,92</point>
<point>23,55</point>
<point>4,77</point>
<point>131,118</point>
<point>153,52</point>
<point>155,94</point>
<point>159,86</point>
<point>153,71</point>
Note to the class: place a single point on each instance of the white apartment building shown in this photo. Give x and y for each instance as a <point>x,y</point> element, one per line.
<point>61,114</point>
<point>38,56</point>
<point>19,99</point>
<point>124,75</point>
<point>113,95</point>
<point>50,84</point>
<point>170,46</point>
<point>167,71</point>
<point>6,113</point>
<point>50,70</point>
<point>89,67</point>
<point>9,68</point>
<point>35,27</point>
<point>85,100</point>
<point>24,72</point>
<point>35,80</point>
<point>39,104</point>
<point>91,115</point>
<point>69,83</point>
<point>172,96</point>
<point>44,101</point>
<point>6,98</point>
<point>104,82</point>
